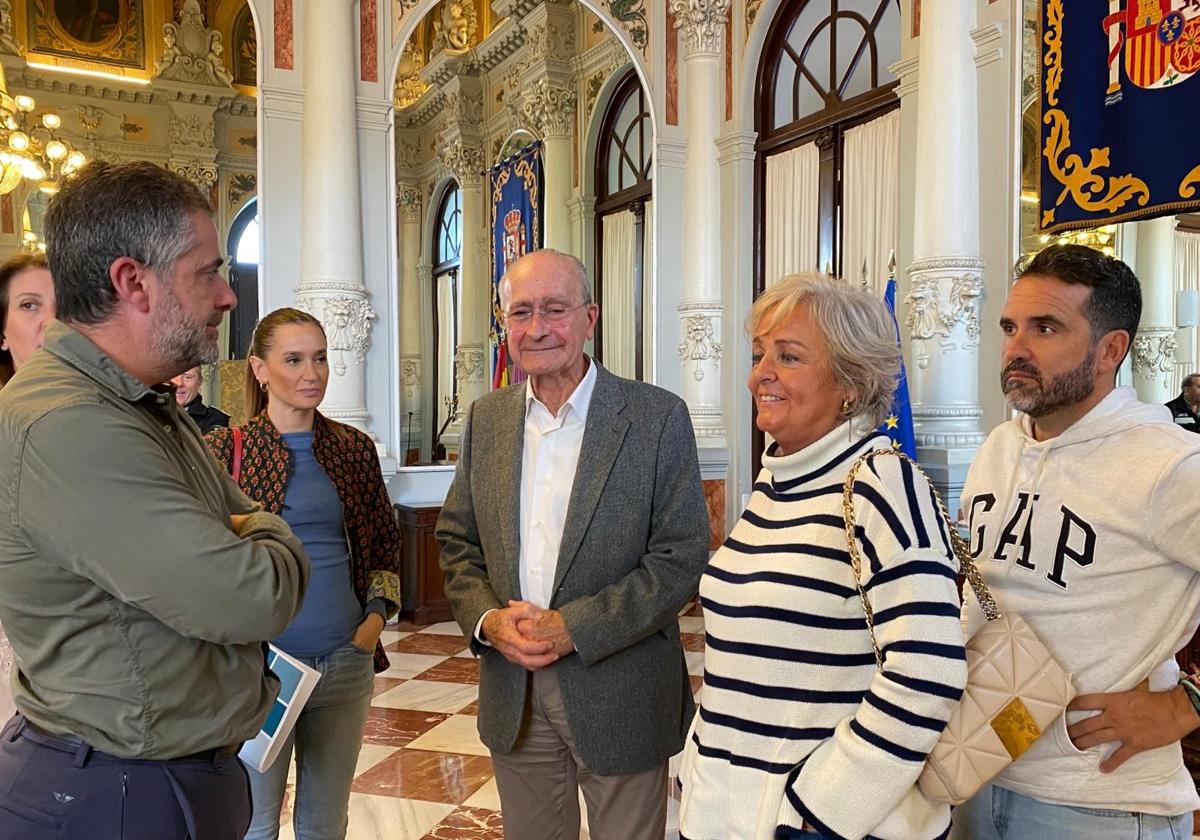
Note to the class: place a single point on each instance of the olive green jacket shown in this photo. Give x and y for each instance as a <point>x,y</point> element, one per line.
<point>135,613</point>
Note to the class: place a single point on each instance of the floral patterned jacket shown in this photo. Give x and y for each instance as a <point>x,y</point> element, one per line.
<point>350,461</point>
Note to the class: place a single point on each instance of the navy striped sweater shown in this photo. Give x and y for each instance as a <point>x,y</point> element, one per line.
<point>796,724</point>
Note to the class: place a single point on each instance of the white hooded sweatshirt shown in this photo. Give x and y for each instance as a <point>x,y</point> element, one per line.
<point>1094,538</point>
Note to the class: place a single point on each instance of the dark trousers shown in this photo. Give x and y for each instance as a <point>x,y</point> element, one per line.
<point>51,789</point>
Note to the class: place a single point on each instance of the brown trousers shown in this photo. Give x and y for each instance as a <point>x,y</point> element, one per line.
<point>539,782</point>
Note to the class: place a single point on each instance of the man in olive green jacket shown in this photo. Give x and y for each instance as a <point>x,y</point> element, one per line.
<point>136,581</point>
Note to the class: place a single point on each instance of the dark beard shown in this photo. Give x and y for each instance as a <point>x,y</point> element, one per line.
<point>1064,390</point>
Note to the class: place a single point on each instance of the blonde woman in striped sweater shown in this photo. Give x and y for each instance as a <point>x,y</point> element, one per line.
<point>799,734</point>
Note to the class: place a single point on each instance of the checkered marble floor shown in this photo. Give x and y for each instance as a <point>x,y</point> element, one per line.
<point>423,773</point>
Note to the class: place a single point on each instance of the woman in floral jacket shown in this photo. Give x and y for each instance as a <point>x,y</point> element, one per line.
<point>323,478</point>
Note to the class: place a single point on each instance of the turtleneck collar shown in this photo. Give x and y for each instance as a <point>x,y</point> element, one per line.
<point>831,453</point>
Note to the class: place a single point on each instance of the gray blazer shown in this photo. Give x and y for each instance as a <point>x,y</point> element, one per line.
<point>633,549</point>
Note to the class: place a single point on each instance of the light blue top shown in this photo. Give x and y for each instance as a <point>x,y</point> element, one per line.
<point>330,612</point>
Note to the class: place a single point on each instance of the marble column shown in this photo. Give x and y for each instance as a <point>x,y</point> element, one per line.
<point>331,275</point>
<point>702,25</point>
<point>551,109</point>
<point>408,205</point>
<point>1153,350</point>
<point>946,273</point>
<point>465,161</point>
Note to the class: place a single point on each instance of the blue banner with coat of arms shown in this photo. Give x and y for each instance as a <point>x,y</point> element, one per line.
<point>516,230</point>
<point>1119,120</point>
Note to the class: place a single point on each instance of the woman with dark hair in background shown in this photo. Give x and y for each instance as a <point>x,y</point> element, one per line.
<point>324,479</point>
<point>26,306</point>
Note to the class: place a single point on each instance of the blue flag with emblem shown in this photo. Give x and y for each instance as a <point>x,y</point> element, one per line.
<point>516,230</point>
<point>1117,109</point>
<point>899,423</point>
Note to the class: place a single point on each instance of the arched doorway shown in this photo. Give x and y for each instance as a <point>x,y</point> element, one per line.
<point>244,244</point>
<point>624,189</point>
<point>826,180</point>
<point>447,264</point>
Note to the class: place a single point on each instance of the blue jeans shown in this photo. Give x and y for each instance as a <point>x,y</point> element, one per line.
<point>999,814</point>
<point>327,738</point>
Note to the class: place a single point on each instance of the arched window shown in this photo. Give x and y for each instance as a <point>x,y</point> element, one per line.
<point>623,194</point>
<point>828,150</point>
<point>243,277</point>
<point>447,260</point>
<point>824,71</point>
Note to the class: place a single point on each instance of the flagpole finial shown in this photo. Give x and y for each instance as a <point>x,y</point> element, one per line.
<point>865,275</point>
<point>892,263</point>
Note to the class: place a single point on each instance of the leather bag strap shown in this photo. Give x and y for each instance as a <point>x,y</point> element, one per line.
<point>961,550</point>
<point>236,470</point>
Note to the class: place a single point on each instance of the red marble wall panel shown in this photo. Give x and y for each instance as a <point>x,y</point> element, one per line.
<point>672,70</point>
<point>368,42</point>
<point>285,46</point>
<point>729,63</point>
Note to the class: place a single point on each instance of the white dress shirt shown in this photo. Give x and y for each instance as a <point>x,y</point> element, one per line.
<point>549,459</point>
<point>548,464</point>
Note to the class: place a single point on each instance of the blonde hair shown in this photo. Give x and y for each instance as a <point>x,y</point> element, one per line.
<point>858,332</point>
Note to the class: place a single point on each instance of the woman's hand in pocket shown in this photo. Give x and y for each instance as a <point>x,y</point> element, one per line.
<point>366,636</point>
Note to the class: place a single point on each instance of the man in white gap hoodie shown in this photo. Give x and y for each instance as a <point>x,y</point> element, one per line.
<point>1083,517</point>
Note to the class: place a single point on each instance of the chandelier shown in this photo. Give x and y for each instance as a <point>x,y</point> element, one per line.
<point>1100,238</point>
<point>30,147</point>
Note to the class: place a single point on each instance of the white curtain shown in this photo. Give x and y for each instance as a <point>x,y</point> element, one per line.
<point>790,221</point>
<point>1187,278</point>
<point>648,291</point>
<point>617,305</point>
<point>871,199</point>
<point>446,335</point>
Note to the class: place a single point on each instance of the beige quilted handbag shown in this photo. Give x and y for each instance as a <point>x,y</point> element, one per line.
<point>1015,688</point>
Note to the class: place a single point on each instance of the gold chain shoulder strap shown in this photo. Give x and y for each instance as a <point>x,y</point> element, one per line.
<point>961,550</point>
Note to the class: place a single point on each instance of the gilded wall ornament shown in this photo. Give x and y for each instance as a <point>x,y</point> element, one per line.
<point>193,52</point>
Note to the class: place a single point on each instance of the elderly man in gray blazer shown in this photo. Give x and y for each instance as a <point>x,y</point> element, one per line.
<point>573,533</point>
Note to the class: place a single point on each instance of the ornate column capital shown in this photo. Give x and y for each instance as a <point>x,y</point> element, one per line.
<point>469,367</point>
<point>932,316</point>
<point>408,202</point>
<point>345,311</point>
<point>702,23</point>
<point>1154,354</point>
<point>193,51</point>
<point>464,161</point>
<point>550,108</point>
<point>201,173</point>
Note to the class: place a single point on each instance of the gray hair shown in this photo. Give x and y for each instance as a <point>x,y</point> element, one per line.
<point>111,210</point>
<point>576,269</point>
<point>1191,377</point>
<point>859,334</point>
